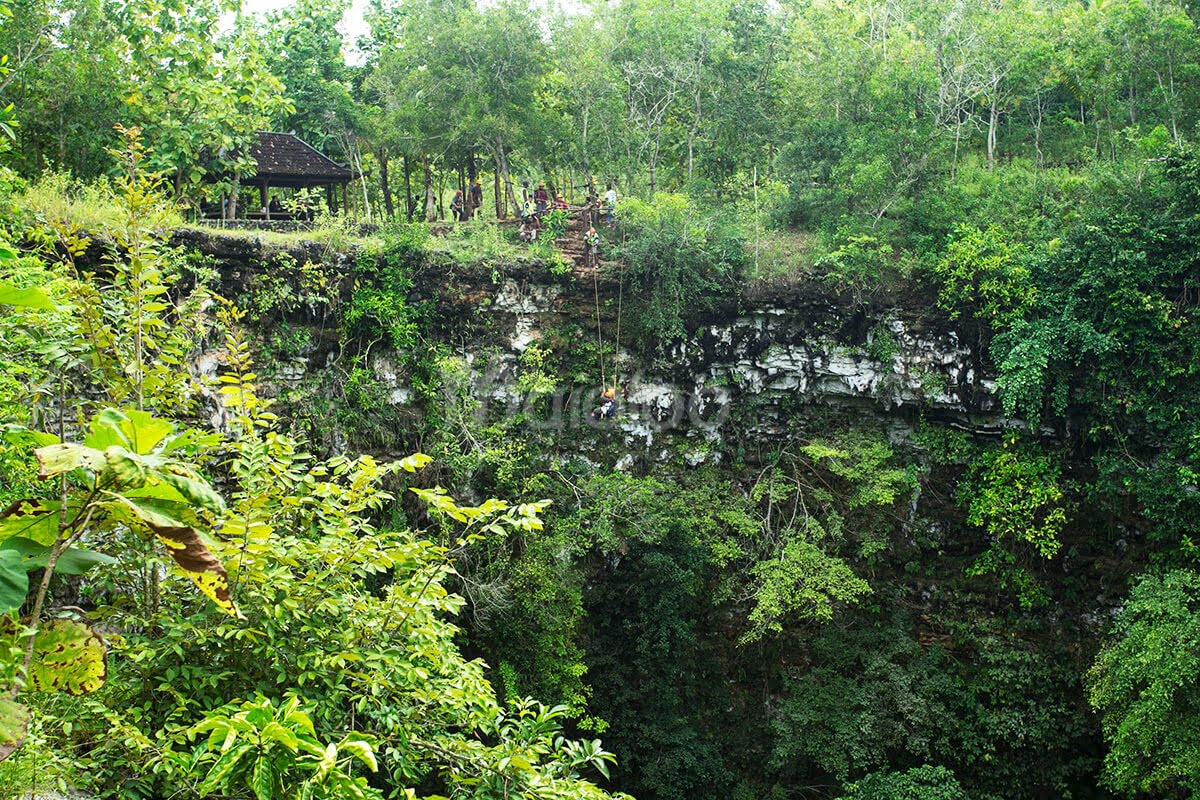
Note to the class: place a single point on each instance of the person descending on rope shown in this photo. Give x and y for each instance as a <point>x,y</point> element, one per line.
<point>592,239</point>
<point>608,404</point>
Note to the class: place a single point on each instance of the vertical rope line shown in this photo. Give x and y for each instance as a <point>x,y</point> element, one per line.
<point>599,335</point>
<point>620,296</point>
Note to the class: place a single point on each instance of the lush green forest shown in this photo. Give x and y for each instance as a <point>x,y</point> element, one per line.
<point>284,517</point>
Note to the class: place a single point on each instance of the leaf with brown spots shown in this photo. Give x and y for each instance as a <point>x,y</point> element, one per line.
<point>166,520</point>
<point>69,657</point>
<point>55,459</point>
<point>33,519</point>
<point>14,721</point>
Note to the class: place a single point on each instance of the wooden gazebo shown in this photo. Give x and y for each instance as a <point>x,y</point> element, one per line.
<point>286,161</point>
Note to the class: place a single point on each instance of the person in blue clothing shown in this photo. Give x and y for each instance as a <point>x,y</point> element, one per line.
<point>608,404</point>
<point>610,203</point>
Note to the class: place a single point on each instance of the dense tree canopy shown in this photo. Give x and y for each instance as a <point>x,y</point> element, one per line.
<point>872,100</point>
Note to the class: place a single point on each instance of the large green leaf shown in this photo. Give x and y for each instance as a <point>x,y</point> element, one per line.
<point>69,657</point>
<point>107,430</point>
<point>125,467</point>
<point>136,431</point>
<point>262,779</point>
<point>73,561</point>
<point>193,488</point>
<point>26,298</point>
<point>21,436</point>
<point>14,721</point>
<point>56,459</point>
<point>33,519</point>
<point>14,581</point>
<point>223,768</point>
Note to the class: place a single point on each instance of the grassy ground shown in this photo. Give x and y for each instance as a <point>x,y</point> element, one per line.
<point>774,255</point>
<point>485,240</point>
<point>334,235</point>
<point>60,201</point>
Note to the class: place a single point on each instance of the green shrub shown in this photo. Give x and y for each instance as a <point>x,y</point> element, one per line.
<point>1144,687</point>
<point>679,260</point>
<point>1015,493</point>
<point>407,240</point>
<point>920,783</point>
<point>59,200</point>
<point>985,274</point>
<point>379,306</point>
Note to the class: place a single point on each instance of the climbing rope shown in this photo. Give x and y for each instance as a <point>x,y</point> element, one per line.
<point>604,384</point>
<point>620,296</point>
<point>599,335</point>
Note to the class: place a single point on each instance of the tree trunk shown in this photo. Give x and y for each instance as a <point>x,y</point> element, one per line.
<point>439,194</point>
<point>508,182</point>
<point>362,182</point>
<point>654,163</point>
<point>583,141</point>
<point>409,207</point>
<point>993,121</point>
<point>1167,88</point>
<point>503,176</point>
<point>1037,117</point>
<point>692,132</point>
<point>233,200</point>
<point>430,206</point>
<point>382,157</point>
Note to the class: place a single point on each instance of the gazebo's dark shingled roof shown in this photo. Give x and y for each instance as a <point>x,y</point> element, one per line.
<point>286,156</point>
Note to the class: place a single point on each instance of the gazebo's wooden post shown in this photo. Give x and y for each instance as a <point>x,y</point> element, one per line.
<point>262,195</point>
<point>345,202</point>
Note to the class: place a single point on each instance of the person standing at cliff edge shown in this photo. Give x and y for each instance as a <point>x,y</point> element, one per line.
<point>476,195</point>
<point>610,203</point>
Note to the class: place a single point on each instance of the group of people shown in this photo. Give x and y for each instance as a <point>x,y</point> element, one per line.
<point>535,204</point>
<point>607,209</point>
<point>534,207</point>
<point>464,208</point>
<point>541,202</point>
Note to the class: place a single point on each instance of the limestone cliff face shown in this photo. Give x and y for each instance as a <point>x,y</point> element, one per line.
<point>746,368</point>
<point>763,358</point>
